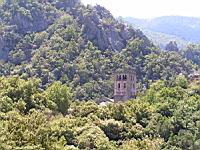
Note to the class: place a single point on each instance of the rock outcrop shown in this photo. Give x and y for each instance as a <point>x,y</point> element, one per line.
<point>96,24</point>
<point>100,27</point>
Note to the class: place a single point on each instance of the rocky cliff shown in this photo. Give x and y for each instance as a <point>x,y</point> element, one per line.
<point>96,24</point>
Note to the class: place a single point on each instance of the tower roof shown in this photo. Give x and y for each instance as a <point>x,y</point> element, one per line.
<point>125,71</point>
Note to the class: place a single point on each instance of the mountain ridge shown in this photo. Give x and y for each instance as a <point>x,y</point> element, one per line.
<point>96,23</point>
<point>81,46</point>
<point>183,28</point>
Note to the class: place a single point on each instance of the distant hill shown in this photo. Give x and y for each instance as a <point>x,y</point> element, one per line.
<point>162,39</point>
<point>179,28</point>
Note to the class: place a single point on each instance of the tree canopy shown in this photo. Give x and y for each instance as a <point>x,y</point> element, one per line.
<point>58,57</point>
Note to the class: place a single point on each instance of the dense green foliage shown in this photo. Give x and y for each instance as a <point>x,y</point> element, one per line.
<point>164,117</point>
<point>23,95</point>
<point>58,57</point>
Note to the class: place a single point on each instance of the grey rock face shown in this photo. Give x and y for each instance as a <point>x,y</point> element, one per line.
<point>100,27</point>
<point>8,40</point>
<point>23,19</point>
<point>2,53</point>
<point>95,23</point>
<point>34,21</point>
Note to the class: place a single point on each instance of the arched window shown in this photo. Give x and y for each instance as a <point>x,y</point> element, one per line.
<point>124,77</point>
<point>124,85</point>
<point>119,85</point>
<point>120,77</point>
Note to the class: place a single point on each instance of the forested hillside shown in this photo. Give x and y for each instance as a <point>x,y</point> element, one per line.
<point>58,57</point>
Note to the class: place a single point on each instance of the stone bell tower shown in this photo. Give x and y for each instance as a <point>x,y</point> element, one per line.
<point>124,85</point>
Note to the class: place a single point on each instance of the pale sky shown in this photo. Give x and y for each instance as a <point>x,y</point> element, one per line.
<point>149,8</point>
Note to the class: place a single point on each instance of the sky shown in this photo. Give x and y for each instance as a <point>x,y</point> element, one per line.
<point>149,8</point>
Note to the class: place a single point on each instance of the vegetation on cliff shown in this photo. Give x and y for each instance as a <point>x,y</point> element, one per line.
<point>58,57</point>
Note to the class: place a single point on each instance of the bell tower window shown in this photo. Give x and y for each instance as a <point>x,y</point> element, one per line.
<point>124,85</point>
<point>119,85</point>
<point>120,77</point>
<point>124,77</point>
